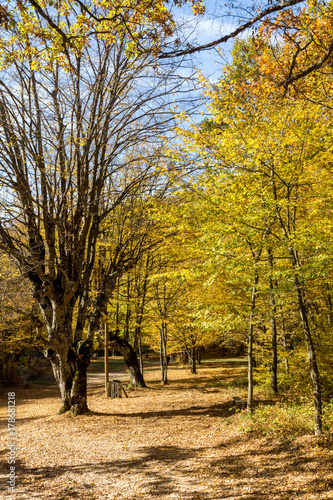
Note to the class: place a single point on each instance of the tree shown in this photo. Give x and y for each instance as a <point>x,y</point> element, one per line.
<point>65,29</point>
<point>64,171</point>
<point>135,230</point>
<point>265,165</point>
<point>149,24</point>
<point>247,17</point>
<point>304,51</point>
<point>166,295</point>
<point>187,331</point>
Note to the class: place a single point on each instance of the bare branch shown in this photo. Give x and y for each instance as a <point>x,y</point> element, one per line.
<point>259,17</point>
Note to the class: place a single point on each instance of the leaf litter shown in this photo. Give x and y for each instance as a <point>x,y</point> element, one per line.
<point>181,441</point>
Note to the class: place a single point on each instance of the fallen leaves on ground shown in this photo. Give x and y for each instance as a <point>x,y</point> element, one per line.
<point>181,441</point>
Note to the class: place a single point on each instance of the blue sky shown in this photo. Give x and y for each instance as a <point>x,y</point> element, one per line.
<point>199,30</point>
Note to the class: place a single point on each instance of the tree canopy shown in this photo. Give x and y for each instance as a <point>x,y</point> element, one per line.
<point>219,234</point>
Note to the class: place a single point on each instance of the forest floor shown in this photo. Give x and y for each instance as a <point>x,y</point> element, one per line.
<point>182,441</point>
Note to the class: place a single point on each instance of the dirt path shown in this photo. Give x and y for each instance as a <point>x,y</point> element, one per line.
<point>99,378</point>
<point>183,441</point>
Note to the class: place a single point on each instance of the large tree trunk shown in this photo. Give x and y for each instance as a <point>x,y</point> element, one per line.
<point>130,359</point>
<point>79,388</point>
<point>70,371</point>
<point>61,352</point>
<point>63,365</point>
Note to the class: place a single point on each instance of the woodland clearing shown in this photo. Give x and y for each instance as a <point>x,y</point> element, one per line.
<point>185,440</point>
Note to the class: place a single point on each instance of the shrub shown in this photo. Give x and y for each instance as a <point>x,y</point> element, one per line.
<point>283,420</point>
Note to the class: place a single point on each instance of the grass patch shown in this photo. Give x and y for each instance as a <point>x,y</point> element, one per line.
<point>286,420</point>
<point>280,420</point>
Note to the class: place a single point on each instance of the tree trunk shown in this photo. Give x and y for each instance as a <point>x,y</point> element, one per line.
<point>314,372</point>
<point>274,385</point>
<point>140,307</point>
<point>79,389</point>
<point>163,354</point>
<point>193,364</point>
<point>64,367</point>
<point>137,333</point>
<point>117,329</point>
<point>140,354</point>
<point>285,348</point>
<point>128,312</point>
<point>287,344</point>
<point>250,346</point>
<point>106,358</point>
<point>130,359</point>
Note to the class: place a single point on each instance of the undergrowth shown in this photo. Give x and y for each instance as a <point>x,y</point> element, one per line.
<point>286,420</point>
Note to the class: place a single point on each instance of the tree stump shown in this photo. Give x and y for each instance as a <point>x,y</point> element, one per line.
<point>114,389</point>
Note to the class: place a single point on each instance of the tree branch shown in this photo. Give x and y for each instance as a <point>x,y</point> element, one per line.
<point>261,15</point>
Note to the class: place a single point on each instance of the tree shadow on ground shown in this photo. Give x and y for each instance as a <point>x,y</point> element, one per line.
<point>30,394</point>
<point>222,410</point>
<point>235,475</point>
<point>201,384</point>
<point>217,410</point>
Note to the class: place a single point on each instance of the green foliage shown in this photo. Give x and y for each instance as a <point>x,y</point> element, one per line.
<point>293,373</point>
<point>244,61</point>
<point>263,208</point>
<point>282,420</point>
<point>285,420</point>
